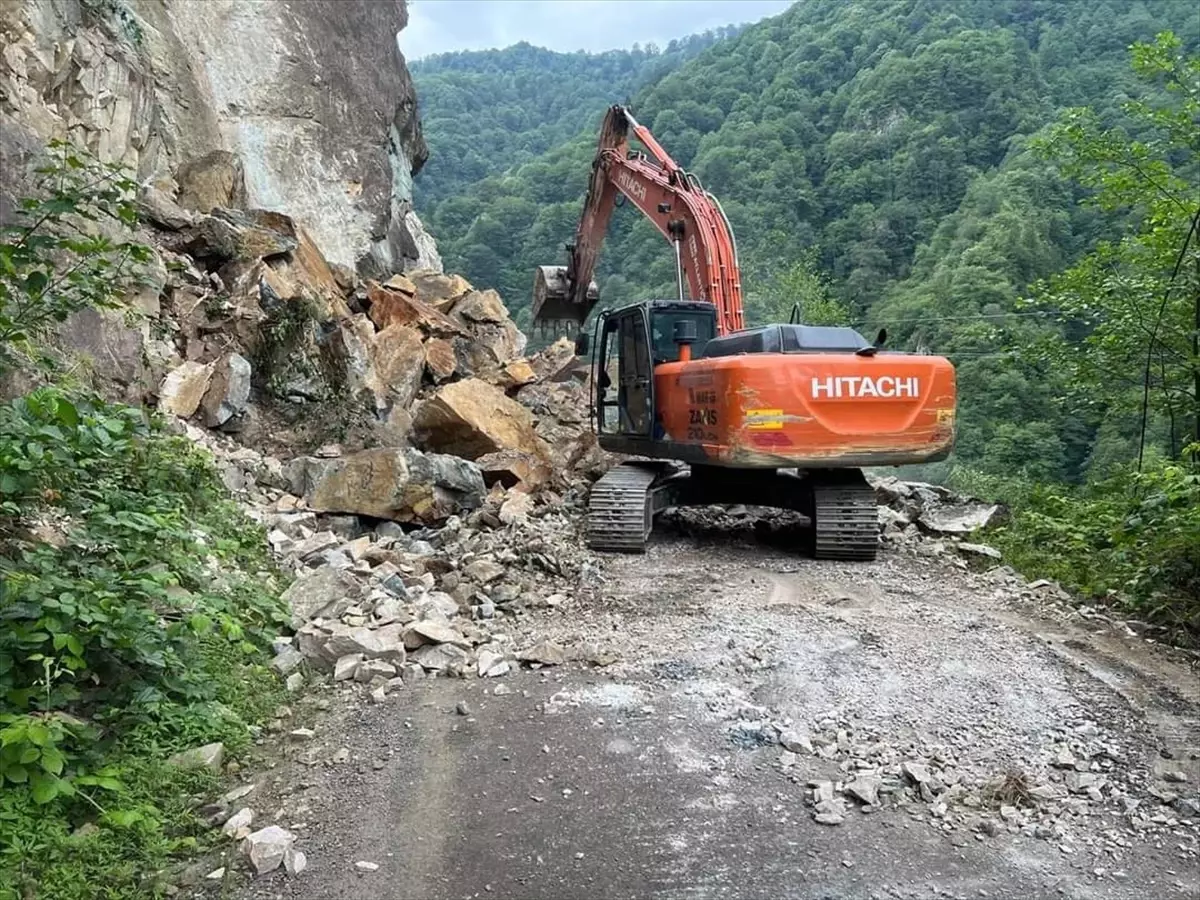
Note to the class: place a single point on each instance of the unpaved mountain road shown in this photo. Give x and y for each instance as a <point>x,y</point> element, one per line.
<point>660,774</point>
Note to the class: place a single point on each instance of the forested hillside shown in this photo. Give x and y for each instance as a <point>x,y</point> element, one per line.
<point>484,112</point>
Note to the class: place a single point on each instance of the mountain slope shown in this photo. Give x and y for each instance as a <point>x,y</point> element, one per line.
<point>486,111</point>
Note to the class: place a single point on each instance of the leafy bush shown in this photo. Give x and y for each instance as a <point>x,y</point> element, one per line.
<point>136,600</point>
<point>1132,540</point>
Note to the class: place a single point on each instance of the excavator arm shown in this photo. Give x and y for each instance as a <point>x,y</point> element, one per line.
<point>674,200</point>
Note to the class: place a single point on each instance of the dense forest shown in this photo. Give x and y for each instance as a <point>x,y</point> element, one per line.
<point>484,112</point>
<point>1010,184</point>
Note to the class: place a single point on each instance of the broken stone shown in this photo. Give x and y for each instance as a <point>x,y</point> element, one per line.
<point>327,593</point>
<point>234,235</point>
<point>287,660</point>
<point>183,389</point>
<point>237,826</point>
<point>1064,759</point>
<point>346,666</point>
<point>470,418</point>
<point>440,360</point>
<point>267,848</point>
<point>402,484</point>
<point>371,669</point>
<point>545,652</point>
<point>511,468</point>
<point>554,361</point>
<point>481,306</point>
<point>865,787</point>
<point>432,632</point>
<point>490,664</point>
<point>795,741</point>
<point>959,519</point>
<point>399,362</point>
<point>441,657</point>
<point>294,861</point>
<point>438,289</point>
<point>918,773</point>
<point>391,307</point>
<point>212,181</point>
<point>979,550</point>
<point>210,756</point>
<point>373,643</point>
<point>228,391</point>
<point>516,508</point>
<point>484,570</point>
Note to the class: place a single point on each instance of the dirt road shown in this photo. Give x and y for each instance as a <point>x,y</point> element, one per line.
<point>959,742</point>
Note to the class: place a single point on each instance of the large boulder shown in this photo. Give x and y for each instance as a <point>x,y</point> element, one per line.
<point>228,391</point>
<point>399,362</point>
<point>437,289</point>
<point>513,469</point>
<point>390,307</point>
<point>232,234</point>
<point>440,360</point>
<point>183,389</point>
<point>325,594</point>
<point>481,306</point>
<point>470,418</point>
<point>402,484</point>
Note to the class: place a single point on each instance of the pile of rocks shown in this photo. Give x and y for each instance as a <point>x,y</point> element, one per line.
<point>377,604</point>
<point>909,510</point>
<point>1047,796</point>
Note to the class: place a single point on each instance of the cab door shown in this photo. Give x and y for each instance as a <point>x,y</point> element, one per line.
<point>625,377</point>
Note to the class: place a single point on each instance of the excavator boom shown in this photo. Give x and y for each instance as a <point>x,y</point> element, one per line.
<point>674,200</point>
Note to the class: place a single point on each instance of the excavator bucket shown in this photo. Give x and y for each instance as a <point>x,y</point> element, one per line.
<point>552,300</point>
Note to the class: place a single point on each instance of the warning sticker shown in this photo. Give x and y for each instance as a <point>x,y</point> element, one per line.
<point>764,419</point>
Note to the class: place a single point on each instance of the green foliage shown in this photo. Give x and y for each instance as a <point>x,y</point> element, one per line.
<point>1132,306</point>
<point>1132,540</point>
<point>137,602</point>
<point>483,112</point>
<point>801,288</point>
<point>59,257</point>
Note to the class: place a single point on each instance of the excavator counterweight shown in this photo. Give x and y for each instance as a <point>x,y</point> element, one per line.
<point>779,415</point>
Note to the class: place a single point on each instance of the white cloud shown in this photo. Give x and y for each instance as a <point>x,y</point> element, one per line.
<point>438,26</point>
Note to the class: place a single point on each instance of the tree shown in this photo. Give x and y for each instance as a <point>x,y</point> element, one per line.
<point>58,257</point>
<point>1136,300</point>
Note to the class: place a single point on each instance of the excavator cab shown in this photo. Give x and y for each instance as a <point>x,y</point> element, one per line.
<point>629,343</point>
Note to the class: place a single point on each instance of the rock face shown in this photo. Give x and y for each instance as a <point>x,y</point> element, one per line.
<point>303,106</point>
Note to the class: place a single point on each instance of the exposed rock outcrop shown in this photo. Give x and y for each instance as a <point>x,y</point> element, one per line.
<point>301,106</point>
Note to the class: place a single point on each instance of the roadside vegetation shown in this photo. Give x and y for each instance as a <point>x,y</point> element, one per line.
<point>137,602</point>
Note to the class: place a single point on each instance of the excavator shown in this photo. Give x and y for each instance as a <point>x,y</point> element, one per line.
<point>710,412</point>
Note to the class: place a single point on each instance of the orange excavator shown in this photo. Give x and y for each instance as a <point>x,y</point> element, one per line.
<point>783,415</point>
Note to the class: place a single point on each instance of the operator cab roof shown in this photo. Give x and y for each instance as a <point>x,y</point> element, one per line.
<point>788,339</point>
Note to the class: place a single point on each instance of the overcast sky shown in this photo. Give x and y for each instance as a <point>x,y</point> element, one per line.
<point>435,26</point>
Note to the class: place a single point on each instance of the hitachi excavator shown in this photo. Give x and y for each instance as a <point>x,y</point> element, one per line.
<point>783,416</point>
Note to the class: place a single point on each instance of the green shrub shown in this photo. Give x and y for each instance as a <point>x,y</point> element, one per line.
<point>1132,539</point>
